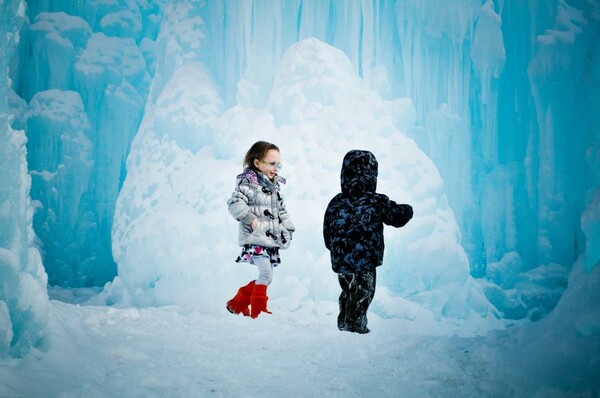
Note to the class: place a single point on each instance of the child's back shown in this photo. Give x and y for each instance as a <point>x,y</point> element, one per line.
<point>353,233</point>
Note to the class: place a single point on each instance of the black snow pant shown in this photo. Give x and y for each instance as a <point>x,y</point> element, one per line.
<point>358,291</point>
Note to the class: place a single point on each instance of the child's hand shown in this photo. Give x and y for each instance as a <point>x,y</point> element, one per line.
<point>254,224</point>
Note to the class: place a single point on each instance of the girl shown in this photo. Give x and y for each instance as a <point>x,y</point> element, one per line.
<point>264,224</point>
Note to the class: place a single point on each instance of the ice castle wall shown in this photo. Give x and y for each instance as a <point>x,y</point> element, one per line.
<point>24,306</point>
<point>84,70</point>
<point>500,92</point>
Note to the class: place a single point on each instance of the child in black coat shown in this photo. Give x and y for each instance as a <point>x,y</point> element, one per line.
<point>353,233</point>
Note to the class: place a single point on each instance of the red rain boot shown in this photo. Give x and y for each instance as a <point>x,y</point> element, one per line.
<point>258,301</point>
<point>239,304</point>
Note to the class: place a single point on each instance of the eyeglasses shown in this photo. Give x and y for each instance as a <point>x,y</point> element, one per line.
<point>273,165</point>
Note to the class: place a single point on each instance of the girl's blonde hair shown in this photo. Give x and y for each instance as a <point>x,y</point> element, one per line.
<point>258,151</point>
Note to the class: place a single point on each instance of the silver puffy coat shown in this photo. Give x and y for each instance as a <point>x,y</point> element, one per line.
<point>257,197</point>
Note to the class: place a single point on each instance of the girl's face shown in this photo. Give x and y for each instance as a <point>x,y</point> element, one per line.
<point>271,163</point>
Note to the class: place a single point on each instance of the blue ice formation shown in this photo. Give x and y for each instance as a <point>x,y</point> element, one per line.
<point>24,305</point>
<point>483,114</point>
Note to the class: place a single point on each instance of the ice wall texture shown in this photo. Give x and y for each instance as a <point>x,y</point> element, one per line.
<point>23,297</point>
<point>83,75</point>
<point>501,93</point>
<point>509,136</point>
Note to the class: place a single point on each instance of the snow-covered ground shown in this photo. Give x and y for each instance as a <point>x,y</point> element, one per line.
<point>171,351</point>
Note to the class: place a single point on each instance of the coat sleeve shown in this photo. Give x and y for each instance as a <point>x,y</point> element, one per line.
<point>238,204</point>
<point>396,215</point>
<point>328,225</point>
<point>286,220</point>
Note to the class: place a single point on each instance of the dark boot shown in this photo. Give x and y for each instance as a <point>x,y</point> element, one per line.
<point>239,304</point>
<point>258,301</point>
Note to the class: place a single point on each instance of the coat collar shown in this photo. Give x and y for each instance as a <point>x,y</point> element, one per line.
<point>259,178</point>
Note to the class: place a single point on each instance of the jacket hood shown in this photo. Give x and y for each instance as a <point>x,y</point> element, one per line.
<point>359,172</point>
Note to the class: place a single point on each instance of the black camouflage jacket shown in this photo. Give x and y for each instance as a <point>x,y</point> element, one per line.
<point>353,223</point>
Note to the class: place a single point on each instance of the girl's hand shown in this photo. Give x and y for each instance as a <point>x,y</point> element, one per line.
<point>254,224</point>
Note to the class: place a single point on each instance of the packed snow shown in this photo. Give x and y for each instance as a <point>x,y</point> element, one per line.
<point>98,351</point>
